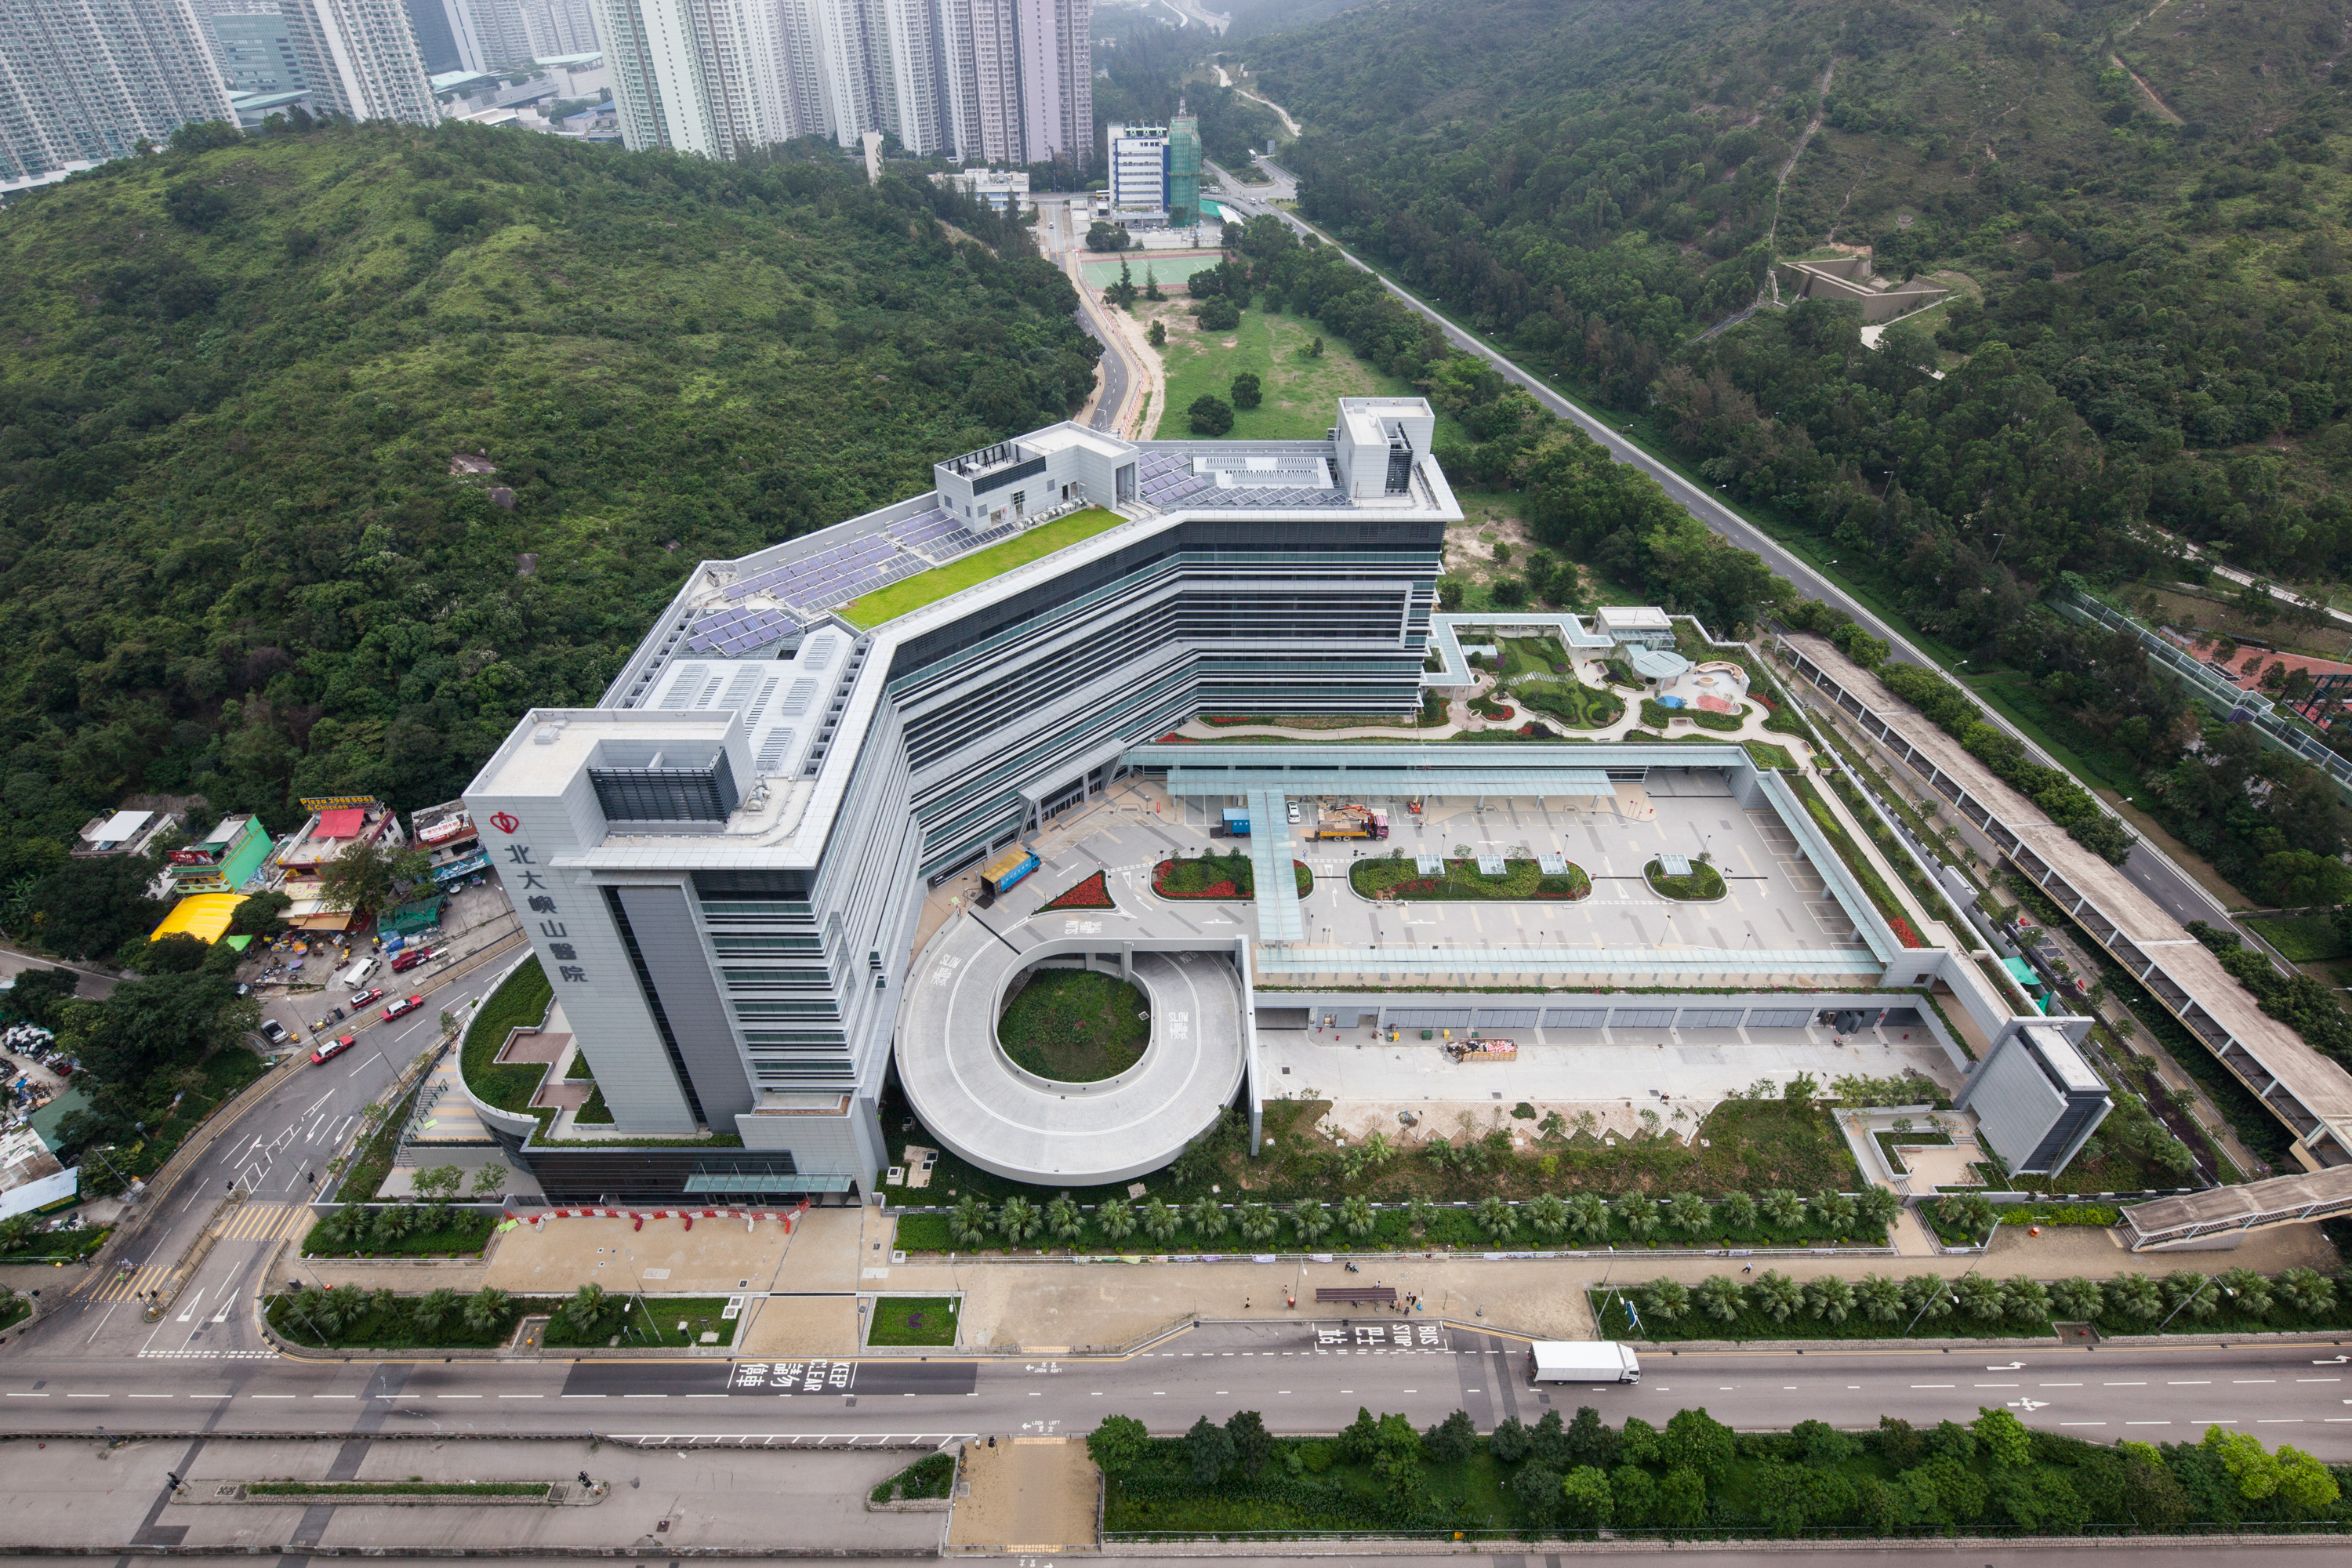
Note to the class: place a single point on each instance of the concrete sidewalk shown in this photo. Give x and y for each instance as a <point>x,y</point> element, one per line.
<point>1055,1306</point>
<point>72,1495</point>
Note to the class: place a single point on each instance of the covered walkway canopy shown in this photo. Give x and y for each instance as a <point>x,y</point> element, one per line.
<point>1356,767</point>
<point>205,915</point>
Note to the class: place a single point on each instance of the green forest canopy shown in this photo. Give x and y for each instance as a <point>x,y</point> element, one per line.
<point>235,556</point>
<point>2151,327</point>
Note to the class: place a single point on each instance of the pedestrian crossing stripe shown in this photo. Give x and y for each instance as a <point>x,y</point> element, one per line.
<point>123,1288</point>
<point>266,1222</point>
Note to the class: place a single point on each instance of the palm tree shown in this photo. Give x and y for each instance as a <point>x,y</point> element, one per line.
<point>1257,1223</point>
<point>486,1309</point>
<point>1018,1219</point>
<point>585,1311</point>
<point>1356,1217</point>
<point>1548,1213</point>
<point>1160,1221</point>
<point>1065,1220</point>
<point>1207,1217</point>
<point>1588,1215</point>
<point>1496,1217</point>
<point>968,1222</point>
<point>1115,1219</point>
<point>434,1309</point>
<point>1689,1213</point>
<point>1420,1214</point>
<point>1311,1220</point>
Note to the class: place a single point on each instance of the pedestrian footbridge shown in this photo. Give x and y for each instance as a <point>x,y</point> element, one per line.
<point>971,1096</point>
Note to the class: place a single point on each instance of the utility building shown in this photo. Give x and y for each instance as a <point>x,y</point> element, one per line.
<point>2036,1100</point>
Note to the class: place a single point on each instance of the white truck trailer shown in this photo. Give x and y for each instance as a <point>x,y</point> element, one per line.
<point>1583,1360</point>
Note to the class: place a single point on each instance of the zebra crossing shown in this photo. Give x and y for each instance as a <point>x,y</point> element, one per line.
<point>265,1222</point>
<point>247,1221</point>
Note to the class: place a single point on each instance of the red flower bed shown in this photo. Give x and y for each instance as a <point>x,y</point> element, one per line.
<point>1901,928</point>
<point>1092,893</point>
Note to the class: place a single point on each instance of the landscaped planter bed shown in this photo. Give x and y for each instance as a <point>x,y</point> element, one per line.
<point>1520,880</point>
<point>1217,877</point>
<point>1704,885</point>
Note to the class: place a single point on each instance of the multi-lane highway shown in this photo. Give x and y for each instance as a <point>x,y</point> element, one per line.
<point>1304,1376</point>
<point>254,1177</point>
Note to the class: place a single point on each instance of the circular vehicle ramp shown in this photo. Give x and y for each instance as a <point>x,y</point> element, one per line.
<point>973,1099</point>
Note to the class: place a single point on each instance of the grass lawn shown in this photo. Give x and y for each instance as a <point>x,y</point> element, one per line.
<point>1402,878</point>
<point>926,587</point>
<point>1073,1025</point>
<point>913,1320</point>
<point>656,1320</point>
<point>1766,755</point>
<point>2303,939</point>
<point>1300,389</point>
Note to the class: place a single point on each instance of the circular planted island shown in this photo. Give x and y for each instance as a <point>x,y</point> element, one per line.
<point>1075,1025</point>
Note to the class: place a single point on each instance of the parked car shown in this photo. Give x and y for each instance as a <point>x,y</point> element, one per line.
<point>412,958</point>
<point>273,1031</point>
<point>406,1005</point>
<point>373,993</point>
<point>333,1048</point>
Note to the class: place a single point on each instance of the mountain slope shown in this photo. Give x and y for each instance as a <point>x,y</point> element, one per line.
<point>234,554</point>
<point>2140,215</point>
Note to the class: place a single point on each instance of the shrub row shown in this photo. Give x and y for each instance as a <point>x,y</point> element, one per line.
<point>1774,1306</point>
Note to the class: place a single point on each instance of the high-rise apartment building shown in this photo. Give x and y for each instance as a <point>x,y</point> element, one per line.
<point>715,78</point>
<point>559,27</point>
<point>254,52</point>
<point>85,80</point>
<point>984,80</point>
<point>360,59</point>
<point>473,35</point>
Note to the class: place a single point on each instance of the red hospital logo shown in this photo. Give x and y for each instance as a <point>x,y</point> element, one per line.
<point>505,821</point>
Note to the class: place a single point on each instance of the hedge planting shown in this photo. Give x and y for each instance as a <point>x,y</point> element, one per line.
<point>1772,1306</point>
<point>1778,1218</point>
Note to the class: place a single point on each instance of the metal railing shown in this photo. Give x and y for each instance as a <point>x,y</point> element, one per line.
<point>2216,690</point>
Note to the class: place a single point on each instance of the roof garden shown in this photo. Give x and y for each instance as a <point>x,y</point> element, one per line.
<point>912,594</point>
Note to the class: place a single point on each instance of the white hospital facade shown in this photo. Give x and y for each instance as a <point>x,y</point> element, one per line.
<point>721,865</point>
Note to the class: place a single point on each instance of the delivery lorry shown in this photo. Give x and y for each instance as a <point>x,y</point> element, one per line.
<point>1004,872</point>
<point>1583,1361</point>
<point>1352,822</point>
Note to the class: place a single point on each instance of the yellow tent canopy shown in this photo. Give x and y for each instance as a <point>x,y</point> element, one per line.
<point>199,914</point>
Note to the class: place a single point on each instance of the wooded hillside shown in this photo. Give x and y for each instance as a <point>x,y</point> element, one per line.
<point>233,556</point>
<point>2140,214</point>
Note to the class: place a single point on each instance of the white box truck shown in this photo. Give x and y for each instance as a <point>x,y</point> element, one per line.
<point>1583,1360</point>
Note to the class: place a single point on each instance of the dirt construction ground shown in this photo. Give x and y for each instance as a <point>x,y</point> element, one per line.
<point>1026,1494</point>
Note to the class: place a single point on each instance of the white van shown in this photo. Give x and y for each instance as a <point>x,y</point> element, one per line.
<point>1583,1361</point>
<point>356,975</point>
